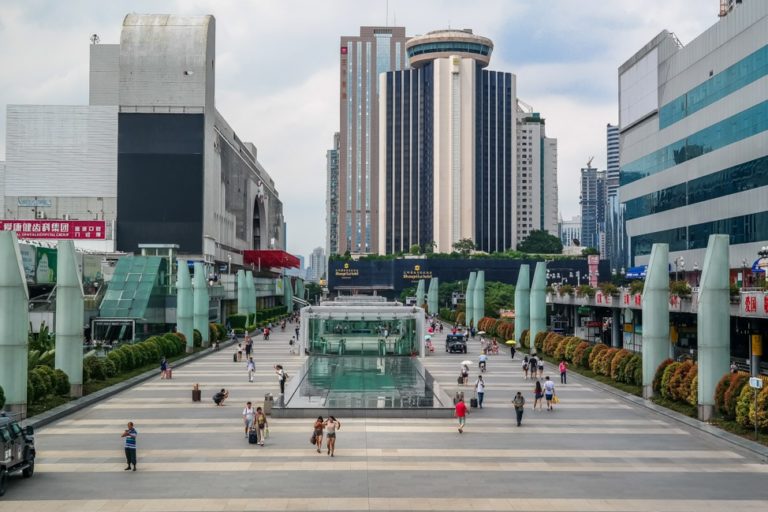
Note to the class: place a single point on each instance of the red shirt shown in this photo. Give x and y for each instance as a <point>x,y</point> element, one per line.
<point>461,410</point>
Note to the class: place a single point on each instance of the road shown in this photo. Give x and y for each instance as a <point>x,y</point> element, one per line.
<point>595,452</point>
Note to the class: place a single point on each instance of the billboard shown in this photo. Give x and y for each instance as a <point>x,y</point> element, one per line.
<point>56,229</point>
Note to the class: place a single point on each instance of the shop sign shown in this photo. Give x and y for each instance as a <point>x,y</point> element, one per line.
<point>346,272</point>
<point>56,229</point>
<point>602,299</point>
<point>417,273</point>
<point>675,303</point>
<point>754,304</point>
<point>631,301</point>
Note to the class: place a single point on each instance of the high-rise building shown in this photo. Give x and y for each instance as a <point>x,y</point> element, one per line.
<point>592,206</point>
<point>459,157</point>
<point>612,154</point>
<point>332,198</point>
<point>317,265</point>
<point>694,139</point>
<point>570,231</point>
<point>362,58</point>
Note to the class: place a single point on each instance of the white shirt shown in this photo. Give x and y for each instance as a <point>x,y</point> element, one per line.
<point>251,366</point>
<point>249,414</point>
<point>549,387</point>
<point>483,358</point>
<point>480,386</point>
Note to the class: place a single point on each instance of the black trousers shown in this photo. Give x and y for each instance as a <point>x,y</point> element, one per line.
<point>519,413</point>
<point>130,456</point>
<point>562,377</point>
<point>282,386</point>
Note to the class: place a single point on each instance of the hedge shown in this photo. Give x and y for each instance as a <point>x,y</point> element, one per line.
<point>525,342</point>
<point>745,407</point>
<point>677,381</point>
<point>659,374</point>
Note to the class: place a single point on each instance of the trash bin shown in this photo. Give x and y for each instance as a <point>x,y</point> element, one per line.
<point>268,401</point>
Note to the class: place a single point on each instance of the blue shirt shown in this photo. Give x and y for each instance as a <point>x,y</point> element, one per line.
<point>130,439</point>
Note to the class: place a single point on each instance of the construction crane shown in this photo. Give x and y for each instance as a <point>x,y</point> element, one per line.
<point>589,162</point>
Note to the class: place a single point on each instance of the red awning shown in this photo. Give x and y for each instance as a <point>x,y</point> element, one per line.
<point>271,258</point>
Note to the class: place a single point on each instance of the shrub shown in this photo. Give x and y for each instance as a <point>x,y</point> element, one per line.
<point>619,364</point>
<point>659,374</point>
<point>2,397</point>
<point>460,319</point>
<point>693,393</point>
<point>547,342</point>
<point>237,321</point>
<point>605,361</point>
<point>678,388</point>
<point>31,390</point>
<point>570,348</point>
<point>110,370</point>
<point>669,371</point>
<point>565,289</point>
<point>525,339</point>
<point>680,288</point>
<point>182,338</point>
<point>745,407</point>
<point>197,339</point>
<point>585,290</point>
<point>636,287</point>
<point>62,382</point>
<point>633,371</point>
<point>560,347</point>
<point>685,388</point>
<point>731,396</point>
<point>49,377</point>
<point>584,362</point>
<point>116,358</point>
<point>35,387</point>
<point>578,352</point>
<point>596,350</point>
<point>95,367</point>
<point>608,288</point>
<point>43,383</point>
<point>720,389</point>
<point>538,341</point>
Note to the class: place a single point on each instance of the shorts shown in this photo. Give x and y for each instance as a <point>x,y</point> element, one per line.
<point>462,420</point>
<point>249,423</point>
<point>331,435</point>
<point>539,396</point>
<point>548,397</point>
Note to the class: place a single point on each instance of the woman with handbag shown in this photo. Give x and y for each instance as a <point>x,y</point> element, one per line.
<point>317,433</point>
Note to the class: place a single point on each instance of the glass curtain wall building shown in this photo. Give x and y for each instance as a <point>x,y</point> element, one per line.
<point>694,139</point>
<point>332,197</point>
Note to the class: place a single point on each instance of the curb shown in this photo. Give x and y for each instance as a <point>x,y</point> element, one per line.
<point>78,404</point>
<point>745,444</point>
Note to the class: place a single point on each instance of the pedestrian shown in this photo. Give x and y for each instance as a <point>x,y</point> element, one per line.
<point>480,390</point>
<point>331,426</point>
<point>220,397</point>
<point>549,392</point>
<point>251,367</point>
<point>525,366</point>
<point>239,352</point>
<point>297,332</point>
<point>249,416</point>
<point>282,376</point>
<point>261,423</point>
<point>317,433</point>
<point>130,445</point>
<point>163,368</point>
<point>461,414</point>
<point>540,364</point>
<point>292,346</point>
<point>734,368</point>
<point>266,334</point>
<point>519,403</point>
<point>464,374</point>
<point>248,346</point>
<point>512,351</point>
<point>563,371</point>
<point>533,364</point>
<point>538,395</point>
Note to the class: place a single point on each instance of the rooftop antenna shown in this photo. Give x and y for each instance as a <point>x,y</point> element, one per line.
<point>95,39</point>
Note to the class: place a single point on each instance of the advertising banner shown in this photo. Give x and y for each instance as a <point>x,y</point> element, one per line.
<point>55,229</point>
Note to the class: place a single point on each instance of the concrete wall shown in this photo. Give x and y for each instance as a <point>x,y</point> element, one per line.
<point>104,77</point>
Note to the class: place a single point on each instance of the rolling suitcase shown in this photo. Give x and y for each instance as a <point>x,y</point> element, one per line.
<point>461,380</point>
<point>473,403</point>
<point>253,436</point>
<point>234,357</point>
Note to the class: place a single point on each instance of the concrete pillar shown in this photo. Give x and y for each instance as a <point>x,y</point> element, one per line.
<point>479,302</point>
<point>242,293</point>
<point>69,317</point>
<point>420,293</point>
<point>200,303</point>
<point>185,309</point>
<point>288,291</point>
<point>522,301</point>
<point>616,340</point>
<point>469,298</point>
<point>538,304</point>
<point>432,296</point>
<point>250,299</point>
<point>14,323</point>
<point>421,331</point>
<point>655,315</point>
<point>713,323</point>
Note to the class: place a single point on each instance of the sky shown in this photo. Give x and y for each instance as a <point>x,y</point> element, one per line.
<point>277,75</point>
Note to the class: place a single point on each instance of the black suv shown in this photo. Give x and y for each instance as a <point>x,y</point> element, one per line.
<point>456,343</point>
<point>17,450</point>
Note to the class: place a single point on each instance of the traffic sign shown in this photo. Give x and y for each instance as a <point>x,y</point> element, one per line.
<point>756,382</point>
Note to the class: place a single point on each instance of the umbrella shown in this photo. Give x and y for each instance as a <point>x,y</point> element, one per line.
<point>511,342</point>
<point>467,362</point>
<point>480,332</point>
<point>427,337</point>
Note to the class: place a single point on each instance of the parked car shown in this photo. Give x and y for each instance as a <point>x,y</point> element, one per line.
<point>456,343</point>
<point>17,450</point>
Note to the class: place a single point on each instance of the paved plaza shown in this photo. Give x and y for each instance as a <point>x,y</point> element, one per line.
<point>596,452</point>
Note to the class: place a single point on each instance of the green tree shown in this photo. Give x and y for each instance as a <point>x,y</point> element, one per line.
<point>498,296</point>
<point>415,249</point>
<point>466,246</point>
<point>590,251</point>
<point>540,242</point>
<point>314,291</point>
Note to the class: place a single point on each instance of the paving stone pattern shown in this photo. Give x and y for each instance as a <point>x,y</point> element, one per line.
<point>595,452</point>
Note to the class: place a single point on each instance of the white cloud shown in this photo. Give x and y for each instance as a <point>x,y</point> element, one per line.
<point>277,69</point>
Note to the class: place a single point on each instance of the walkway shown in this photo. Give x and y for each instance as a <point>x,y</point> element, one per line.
<point>594,453</point>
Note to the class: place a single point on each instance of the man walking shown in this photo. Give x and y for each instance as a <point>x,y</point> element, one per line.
<point>549,392</point>
<point>130,446</point>
<point>519,403</point>
<point>461,414</point>
<point>480,390</point>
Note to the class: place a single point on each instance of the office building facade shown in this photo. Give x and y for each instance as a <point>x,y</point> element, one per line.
<point>694,139</point>
<point>317,265</point>
<point>592,201</point>
<point>332,197</point>
<point>451,133</point>
<point>570,231</point>
<point>362,59</point>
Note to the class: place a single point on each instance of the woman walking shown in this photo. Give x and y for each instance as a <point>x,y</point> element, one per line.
<point>163,368</point>
<point>261,423</point>
<point>249,415</point>
<point>480,390</point>
<point>317,433</point>
<point>331,426</point>
<point>538,396</point>
<point>540,364</point>
<point>525,366</point>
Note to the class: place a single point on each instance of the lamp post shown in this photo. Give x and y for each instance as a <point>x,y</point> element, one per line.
<point>696,272</point>
<point>744,273</point>
<point>679,265</point>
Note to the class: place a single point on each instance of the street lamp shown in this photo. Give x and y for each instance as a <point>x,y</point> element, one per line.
<point>679,264</point>
<point>696,272</point>
<point>743,272</point>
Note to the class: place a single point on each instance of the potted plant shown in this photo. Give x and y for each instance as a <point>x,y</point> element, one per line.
<point>566,289</point>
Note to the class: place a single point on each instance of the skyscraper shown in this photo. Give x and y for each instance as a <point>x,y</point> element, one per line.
<point>612,153</point>
<point>317,265</point>
<point>332,198</point>
<point>459,157</point>
<point>362,58</point>
<point>592,206</point>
